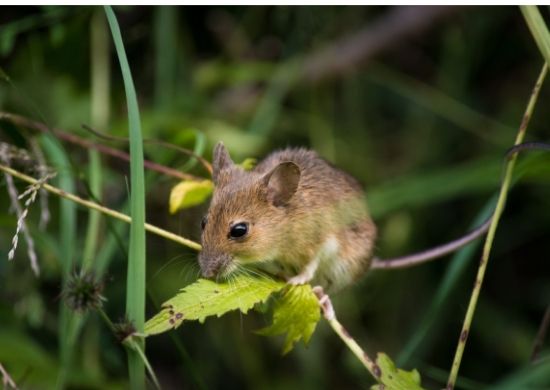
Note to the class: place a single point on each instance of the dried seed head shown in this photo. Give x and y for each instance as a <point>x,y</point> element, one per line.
<point>83,292</point>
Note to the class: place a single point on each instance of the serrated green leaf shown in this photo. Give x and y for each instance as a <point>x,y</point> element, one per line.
<point>393,378</point>
<point>189,193</point>
<point>296,313</point>
<point>248,164</point>
<point>206,298</point>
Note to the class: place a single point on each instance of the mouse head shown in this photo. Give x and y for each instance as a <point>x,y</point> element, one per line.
<point>245,214</point>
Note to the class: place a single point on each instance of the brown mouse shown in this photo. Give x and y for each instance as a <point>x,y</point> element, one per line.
<point>294,215</point>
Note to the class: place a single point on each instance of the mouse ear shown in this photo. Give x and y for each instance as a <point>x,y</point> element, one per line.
<point>282,182</point>
<point>220,161</point>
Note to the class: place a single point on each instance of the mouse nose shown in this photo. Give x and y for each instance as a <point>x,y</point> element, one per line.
<point>209,273</point>
<point>212,265</point>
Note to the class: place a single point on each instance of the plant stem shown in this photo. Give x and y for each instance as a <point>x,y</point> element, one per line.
<point>105,210</point>
<point>74,139</point>
<point>491,234</point>
<point>354,347</point>
<point>330,315</point>
<point>136,346</point>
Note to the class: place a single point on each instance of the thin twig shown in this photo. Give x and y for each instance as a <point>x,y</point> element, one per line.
<point>168,145</point>
<point>541,335</point>
<point>105,210</point>
<point>68,137</point>
<point>491,234</point>
<point>6,378</point>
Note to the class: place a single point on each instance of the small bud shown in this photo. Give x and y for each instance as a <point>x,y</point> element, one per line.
<point>124,329</point>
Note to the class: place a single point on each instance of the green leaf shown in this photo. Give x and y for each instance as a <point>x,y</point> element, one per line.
<point>394,378</point>
<point>248,164</point>
<point>189,193</point>
<point>296,313</point>
<point>206,298</point>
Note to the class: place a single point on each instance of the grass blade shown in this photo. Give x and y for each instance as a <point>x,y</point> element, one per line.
<point>538,29</point>
<point>135,288</point>
<point>100,80</point>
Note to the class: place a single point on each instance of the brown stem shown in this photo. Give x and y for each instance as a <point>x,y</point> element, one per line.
<point>68,137</point>
<point>328,312</point>
<point>168,145</point>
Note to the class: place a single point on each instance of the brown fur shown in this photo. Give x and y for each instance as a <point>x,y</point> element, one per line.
<point>298,207</point>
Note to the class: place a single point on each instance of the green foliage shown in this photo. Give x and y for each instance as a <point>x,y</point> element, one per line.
<point>395,378</point>
<point>423,128</point>
<point>206,298</point>
<point>190,193</point>
<point>295,313</point>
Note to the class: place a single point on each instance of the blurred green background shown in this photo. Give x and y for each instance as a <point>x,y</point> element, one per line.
<point>420,104</point>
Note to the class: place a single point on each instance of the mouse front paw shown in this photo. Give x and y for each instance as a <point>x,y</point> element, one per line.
<point>299,279</point>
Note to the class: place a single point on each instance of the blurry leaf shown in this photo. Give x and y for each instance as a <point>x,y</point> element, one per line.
<point>26,357</point>
<point>215,73</point>
<point>3,75</point>
<point>189,193</point>
<point>431,187</point>
<point>200,143</point>
<point>394,378</point>
<point>240,143</point>
<point>296,313</point>
<point>535,375</point>
<point>206,298</point>
<point>7,40</point>
<point>57,34</point>
<point>248,164</point>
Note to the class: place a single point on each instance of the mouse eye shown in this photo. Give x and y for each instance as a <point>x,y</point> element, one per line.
<point>238,230</point>
<point>203,222</point>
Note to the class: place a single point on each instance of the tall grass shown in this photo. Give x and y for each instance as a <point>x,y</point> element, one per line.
<point>135,287</point>
<point>67,238</point>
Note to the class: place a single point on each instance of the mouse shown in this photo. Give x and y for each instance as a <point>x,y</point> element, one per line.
<point>295,215</point>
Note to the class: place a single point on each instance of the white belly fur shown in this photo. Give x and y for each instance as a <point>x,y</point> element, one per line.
<point>332,271</point>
